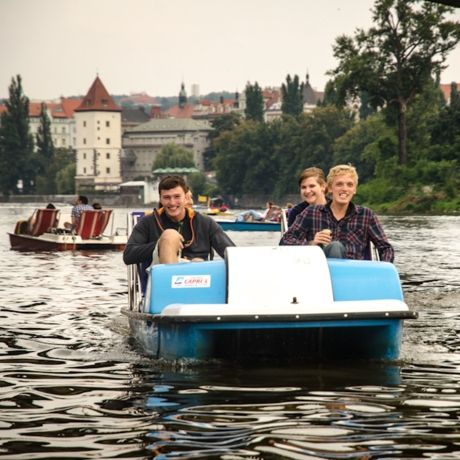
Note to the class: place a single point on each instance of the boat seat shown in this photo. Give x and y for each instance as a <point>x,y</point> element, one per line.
<point>43,220</point>
<point>92,223</point>
<point>273,277</point>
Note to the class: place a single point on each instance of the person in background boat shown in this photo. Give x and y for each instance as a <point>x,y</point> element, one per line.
<point>268,209</point>
<point>312,187</point>
<point>97,206</point>
<point>174,233</point>
<point>25,226</point>
<point>343,229</point>
<point>272,213</point>
<point>189,198</point>
<point>249,216</point>
<point>81,204</point>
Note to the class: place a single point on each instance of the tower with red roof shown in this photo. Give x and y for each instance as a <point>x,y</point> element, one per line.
<point>98,141</point>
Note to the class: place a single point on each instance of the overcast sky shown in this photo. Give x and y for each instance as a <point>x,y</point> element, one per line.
<point>59,46</point>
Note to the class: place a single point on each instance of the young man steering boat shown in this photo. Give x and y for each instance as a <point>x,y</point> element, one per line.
<point>174,233</point>
<point>343,229</point>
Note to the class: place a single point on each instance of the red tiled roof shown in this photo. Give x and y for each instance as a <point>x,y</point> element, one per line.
<point>178,112</point>
<point>63,109</point>
<point>445,88</point>
<point>98,99</point>
<point>70,105</point>
<point>139,99</point>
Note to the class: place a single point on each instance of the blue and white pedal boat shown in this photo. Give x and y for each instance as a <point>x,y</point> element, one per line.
<point>259,303</point>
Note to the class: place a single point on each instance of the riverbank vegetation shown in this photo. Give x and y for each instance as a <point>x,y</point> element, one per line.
<point>383,112</point>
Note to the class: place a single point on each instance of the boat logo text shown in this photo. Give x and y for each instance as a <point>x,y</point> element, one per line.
<point>191,281</point>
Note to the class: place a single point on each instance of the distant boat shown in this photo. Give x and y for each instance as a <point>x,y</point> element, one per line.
<point>250,221</point>
<point>43,233</point>
<point>233,226</point>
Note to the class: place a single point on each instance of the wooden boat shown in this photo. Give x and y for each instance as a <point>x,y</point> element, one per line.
<point>260,303</point>
<point>248,226</point>
<point>42,232</point>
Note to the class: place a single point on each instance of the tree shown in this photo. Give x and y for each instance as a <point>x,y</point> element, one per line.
<point>292,96</point>
<point>46,181</point>
<point>16,143</point>
<point>220,124</point>
<point>254,102</point>
<point>174,156</point>
<point>394,60</point>
<point>65,171</point>
<point>246,160</point>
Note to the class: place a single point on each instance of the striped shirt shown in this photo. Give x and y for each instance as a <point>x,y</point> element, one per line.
<point>356,230</point>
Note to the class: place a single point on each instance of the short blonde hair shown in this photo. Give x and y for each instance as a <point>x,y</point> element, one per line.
<point>313,172</point>
<point>340,170</point>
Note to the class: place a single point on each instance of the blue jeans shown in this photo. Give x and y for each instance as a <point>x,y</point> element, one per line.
<point>335,250</point>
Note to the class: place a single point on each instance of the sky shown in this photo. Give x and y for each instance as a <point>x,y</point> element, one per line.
<point>59,46</point>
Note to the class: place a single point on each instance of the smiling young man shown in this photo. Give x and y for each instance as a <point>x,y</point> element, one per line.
<point>174,232</point>
<point>342,228</point>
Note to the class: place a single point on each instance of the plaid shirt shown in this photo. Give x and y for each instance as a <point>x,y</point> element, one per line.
<point>359,226</point>
<point>77,209</point>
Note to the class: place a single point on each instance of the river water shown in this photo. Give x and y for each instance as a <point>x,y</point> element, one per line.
<point>74,386</point>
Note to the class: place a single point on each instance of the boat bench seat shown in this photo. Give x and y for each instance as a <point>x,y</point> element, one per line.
<point>272,280</point>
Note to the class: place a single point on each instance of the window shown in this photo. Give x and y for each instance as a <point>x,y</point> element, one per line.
<point>84,155</point>
<point>84,140</point>
<point>107,155</point>
<point>107,170</point>
<point>84,124</point>
<point>107,141</point>
<point>84,170</point>
<point>63,130</point>
<point>107,124</point>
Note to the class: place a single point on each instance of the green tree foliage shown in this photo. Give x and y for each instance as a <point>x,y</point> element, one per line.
<point>197,182</point>
<point>309,141</point>
<point>65,179</point>
<point>445,131</point>
<point>16,142</point>
<point>174,156</point>
<point>365,145</point>
<point>394,60</point>
<point>266,158</point>
<point>254,102</point>
<point>246,160</point>
<point>292,96</point>
<point>44,155</point>
<point>221,123</point>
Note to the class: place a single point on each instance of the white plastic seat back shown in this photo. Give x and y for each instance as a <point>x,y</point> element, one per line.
<point>278,276</point>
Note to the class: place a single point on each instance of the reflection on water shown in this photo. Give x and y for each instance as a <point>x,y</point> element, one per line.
<point>73,385</point>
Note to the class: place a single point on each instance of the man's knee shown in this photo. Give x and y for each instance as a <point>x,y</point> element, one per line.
<point>170,236</point>
<point>169,246</point>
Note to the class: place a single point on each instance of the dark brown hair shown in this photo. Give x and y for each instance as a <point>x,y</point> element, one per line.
<point>169,182</point>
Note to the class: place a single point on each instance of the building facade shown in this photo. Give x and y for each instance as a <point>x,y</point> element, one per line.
<point>142,144</point>
<point>98,141</point>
